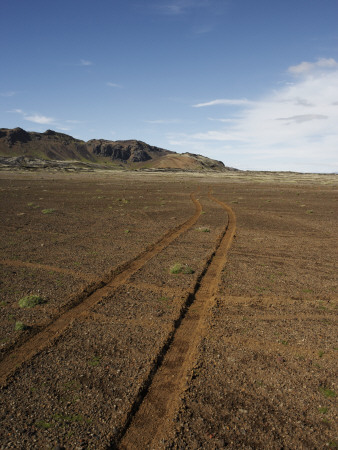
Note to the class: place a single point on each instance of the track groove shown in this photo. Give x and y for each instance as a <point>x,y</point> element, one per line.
<point>73,273</point>
<point>89,298</point>
<point>150,416</point>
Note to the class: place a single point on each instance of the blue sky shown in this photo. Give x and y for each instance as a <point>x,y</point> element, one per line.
<point>251,83</point>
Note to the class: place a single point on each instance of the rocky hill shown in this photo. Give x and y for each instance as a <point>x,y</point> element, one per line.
<point>18,146</point>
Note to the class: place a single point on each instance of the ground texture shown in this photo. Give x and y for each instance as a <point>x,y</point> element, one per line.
<point>238,349</point>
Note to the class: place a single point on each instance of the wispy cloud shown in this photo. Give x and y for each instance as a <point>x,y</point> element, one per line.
<point>212,119</point>
<point>85,62</point>
<point>44,120</point>
<point>306,67</point>
<point>224,101</point>
<point>115,85</point>
<point>37,118</point>
<point>162,121</point>
<point>181,7</point>
<point>178,7</point>
<point>8,94</point>
<point>303,118</point>
<point>75,122</point>
<point>292,128</point>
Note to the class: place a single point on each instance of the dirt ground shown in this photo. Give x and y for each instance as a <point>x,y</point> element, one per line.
<point>257,364</point>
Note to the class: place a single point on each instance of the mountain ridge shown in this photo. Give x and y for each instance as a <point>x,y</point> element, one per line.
<point>131,153</point>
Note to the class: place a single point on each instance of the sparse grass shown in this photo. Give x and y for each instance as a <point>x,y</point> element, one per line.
<point>323,409</point>
<point>176,268</point>
<point>74,418</point>
<point>48,211</point>
<point>203,229</point>
<point>43,424</point>
<point>127,231</point>
<point>181,268</point>
<point>307,291</point>
<point>329,393</point>
<point>309,211</point>
<point>95,361</point>
<point>188,270</point>
<point>320,353</point>
<point>30,301</point>
<point>20,326</point>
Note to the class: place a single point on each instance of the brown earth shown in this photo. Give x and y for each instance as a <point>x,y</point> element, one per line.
<point>125,353</point>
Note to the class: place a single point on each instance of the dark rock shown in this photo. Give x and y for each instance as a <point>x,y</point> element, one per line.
<point>17,135</point>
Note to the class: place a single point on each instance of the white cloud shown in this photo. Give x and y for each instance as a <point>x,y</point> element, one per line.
<point>85,62</point>
<point>17,111</point>
<point>36,118</point>
<point>224,101</point>
<point>306,67</point>
<point>115,85</point>
<point>292,128</point>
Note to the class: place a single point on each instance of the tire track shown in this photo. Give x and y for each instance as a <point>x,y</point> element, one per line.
<point>89,297</point>
<point>149,419</point>
<point>73,273</point>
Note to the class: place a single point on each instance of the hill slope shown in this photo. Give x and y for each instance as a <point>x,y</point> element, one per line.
<point>53,146</point>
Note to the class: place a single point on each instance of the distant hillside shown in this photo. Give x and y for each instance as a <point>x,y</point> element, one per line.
<point>53,146</point>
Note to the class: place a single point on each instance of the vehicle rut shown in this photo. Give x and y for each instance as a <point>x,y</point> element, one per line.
<point>149,418</point>
<point>29,265</point>
<point>82,303</point>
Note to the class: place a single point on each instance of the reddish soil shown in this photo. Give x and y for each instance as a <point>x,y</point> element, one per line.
<point>126,354</point>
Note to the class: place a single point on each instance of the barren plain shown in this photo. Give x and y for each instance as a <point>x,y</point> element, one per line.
<point>176,310</point>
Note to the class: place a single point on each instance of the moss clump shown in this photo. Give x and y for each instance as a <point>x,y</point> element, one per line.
<point>181,268</point>
<point>20,326</point>
<point>30,301</point>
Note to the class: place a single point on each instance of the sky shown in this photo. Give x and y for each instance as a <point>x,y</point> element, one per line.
<point>253,83</point>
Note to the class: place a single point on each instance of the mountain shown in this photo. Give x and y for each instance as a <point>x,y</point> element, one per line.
<point>17,144</point>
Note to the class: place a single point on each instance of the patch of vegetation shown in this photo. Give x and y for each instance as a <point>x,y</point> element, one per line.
<point>127,231</point>
<point>329,393</point>
<point>203,229</point>
<point>74,418</point>
<point>309,211</point>
<point>43,424</point>
<point>20,326</point>
<point>2,303</point>
<point>48,211</point>
<point>95,361</point>
<point>30,301</point>
<point>307,291</point>
<point>181,268</point>
<point>320,353</point>
<point>323,409</point>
